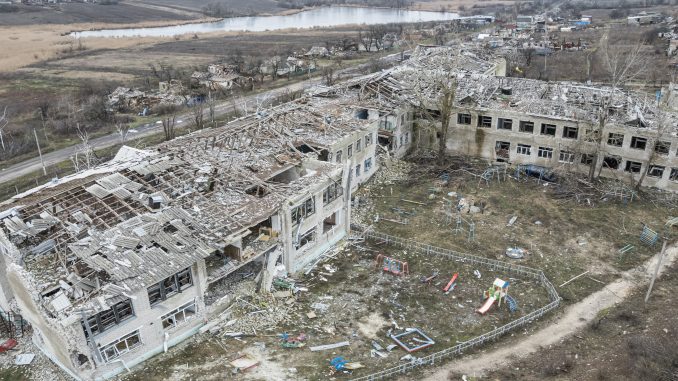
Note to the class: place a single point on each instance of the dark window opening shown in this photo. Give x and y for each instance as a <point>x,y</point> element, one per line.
<point>656,171</point>
<point>504,124</point>
<point>673,176</point>
<point>362,114</point>
<point>548,129</point>
<point>304,210</point>
<point>615,139</point>
<point>633,166</point>
<point>525,126</point>
<point>587,159</point>
<point>502,150</point>
<point>105,320</point>
<point>662,147</point>
<point>463,118</point>
<point>329,222</point>
<point>611,162</point>
<point>484,121</point>
<point>570,132</point>
<point>638,142</point>
<point>332,192</point>
<point>170,286</point>
<point>257,191</point>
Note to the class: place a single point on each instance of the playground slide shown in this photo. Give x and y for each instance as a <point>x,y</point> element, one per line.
<point>488,303</point>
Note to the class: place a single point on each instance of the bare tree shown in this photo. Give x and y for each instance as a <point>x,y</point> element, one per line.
<point>3,123</point>
<point>123,130</point>
<point>198,112</point>
<point>84,157</point>
<point>168,127</point>
<point>329,77</point>
<point>622,66</point>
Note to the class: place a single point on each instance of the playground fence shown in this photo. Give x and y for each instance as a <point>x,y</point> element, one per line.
<point>477,341</point>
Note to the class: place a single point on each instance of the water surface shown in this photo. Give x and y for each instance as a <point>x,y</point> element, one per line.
<point>319,17</point>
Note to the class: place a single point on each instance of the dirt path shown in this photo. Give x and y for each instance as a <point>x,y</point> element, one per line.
<point>575,317</point>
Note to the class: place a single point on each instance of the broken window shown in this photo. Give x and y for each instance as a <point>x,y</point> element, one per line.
<point>120,346</point>
<point>633,166</point>
<point>106,319</point>
<point>349,151</point>
<point>357,170</point>
<point>484,121</point>
<point>306,238</point>
<point>656,171</point>
<point>566,157</point>
<point>338,156</point>
<point>611,162</point>
<point>570,132</point>
<point>368,139</point>
<point>504,124</point>
<point>525,126</point>
<point>615,139</point>
<point>587,159</point>
<point>545,152</point>
<point>332,192</point>
<point>524,149</point>
<point>169,286</point>
<point>673,176</point>
<point>368,164</point>
<point>662,147</point>
<point>548,129</point>
<point>502,149</point>
<point>358,147</point>
<point>304,210</point>
<point>407,137</point>
<point>178,316</point>
<point>463,118</point>
<point>638,143</point>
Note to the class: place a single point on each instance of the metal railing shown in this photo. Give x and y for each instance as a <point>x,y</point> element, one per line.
<point>13,324</point>
<point>464,258</point>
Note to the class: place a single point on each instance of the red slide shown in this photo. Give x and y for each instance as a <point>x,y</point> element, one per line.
<point>454,278</point>
<point>488,303</point>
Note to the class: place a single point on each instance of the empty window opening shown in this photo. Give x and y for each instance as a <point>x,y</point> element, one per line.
<point>368,139</point>
<point>484,121</point>
<point>673,176</point>
<point>611,162</point>
<point>587,159</point>
<point>615,140</point>
<point>502,149</point>
<point>463,118</point>
<point>104,320</point>
<point>566,157</point>
<point>358,146</point>
<point>330,222</point>
<point>337,155</point>
<point>524,149</point>
<point>504,124</point>
<point>332,192</point>
<point>178,316</point>
<point>120,346</point>
<point>545,152</point>
<point>526,126</point>
<point>304,210</point>
<point>305,239</point>
<point>633,166</point>
<point>362,114</point>
<point>662,147</point>
<point>368,164</point>
<point>170,286</point>
<point>349,151</point>
<point>548,129</point>
<point>570,132</point>
<point>638,143</point>
<point>656,171</point>
<point>357,170</point>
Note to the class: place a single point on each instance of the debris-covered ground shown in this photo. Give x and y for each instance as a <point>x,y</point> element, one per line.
<point>346,299</point>
<point>33,364</point>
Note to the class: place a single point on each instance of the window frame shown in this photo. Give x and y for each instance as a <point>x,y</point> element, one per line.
<point>503,122</point>
<point>117,314</point>
<point>652,167</point>
<point>633,166</point>
<point>523,123</point>
<point>303,210</point>
<point>613,138</point>
<point>171,283</point>
<point>114,346</point>
<point>332,192</point>
<point>545,152</point>
<point>484,122</point>
<point>569,157</point>
<point>546,127</point>
<point>524,149</point>
<point>462,118</point>
<point>567,132</point>
<point>180,310</point>
<point>638,140</point>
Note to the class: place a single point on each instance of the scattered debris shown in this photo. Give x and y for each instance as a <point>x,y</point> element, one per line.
<point>412,340</point>
<point>329,346</point>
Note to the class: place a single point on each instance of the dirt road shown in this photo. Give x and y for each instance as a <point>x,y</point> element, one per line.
<point>575,317</point>
<point>153,127</point>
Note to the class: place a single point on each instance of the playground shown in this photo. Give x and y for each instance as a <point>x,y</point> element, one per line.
<point>388,304</point>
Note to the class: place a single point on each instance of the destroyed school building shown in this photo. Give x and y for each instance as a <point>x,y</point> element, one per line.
<point>111,266</point>
<point>549,124</point>
<point>115,264</point>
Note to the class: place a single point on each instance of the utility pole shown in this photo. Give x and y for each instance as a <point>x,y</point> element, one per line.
<point>44,170</point>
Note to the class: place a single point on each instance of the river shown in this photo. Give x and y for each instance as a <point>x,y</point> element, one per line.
<point>315,18</point>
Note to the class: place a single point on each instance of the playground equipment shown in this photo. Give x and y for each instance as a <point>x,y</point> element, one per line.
<point>392,265</point>
<point>497,292</point>
<point>412,340</point>
<point>511,303</point>
<point>451,284</point>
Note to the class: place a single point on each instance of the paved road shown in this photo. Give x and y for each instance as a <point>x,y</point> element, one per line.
<point>54,157</point>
